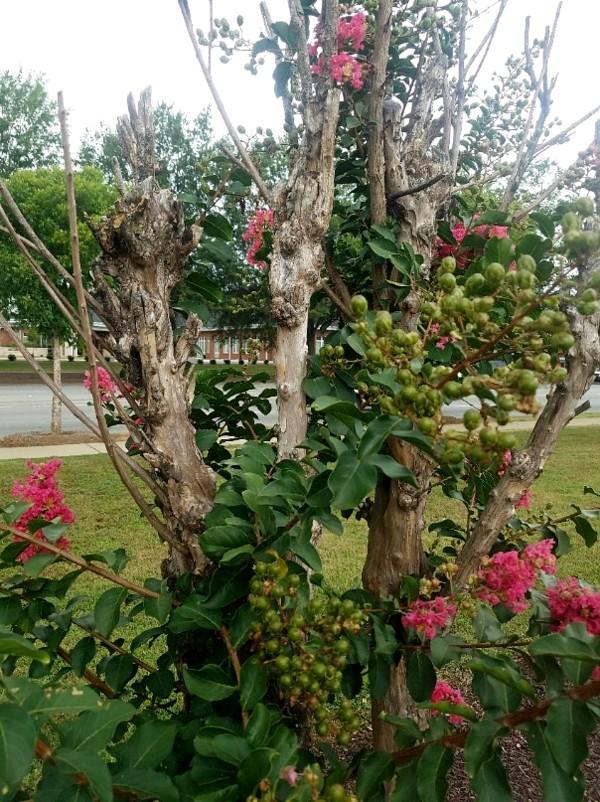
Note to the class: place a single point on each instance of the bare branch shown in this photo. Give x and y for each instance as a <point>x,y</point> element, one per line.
<point>560,138</point>
<point>245,156</point>
<point>403,193</point>
<point>460,88</point>
<point>486,43</point>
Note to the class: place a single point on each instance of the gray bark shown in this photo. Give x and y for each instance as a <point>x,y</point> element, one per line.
<point>145,245</point>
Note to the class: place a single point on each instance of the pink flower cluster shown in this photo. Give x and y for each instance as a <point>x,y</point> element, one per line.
<point>524,500</point>
<point>507,576</point>
<point>262,221</point>
<point>459,232</point>
<point>106,385</point>
<point>444,692</point>
<point>505,462</point>
<point>569,603</point>
<point>41,491</point>
<point>428,617</point>
<point>344,67</point>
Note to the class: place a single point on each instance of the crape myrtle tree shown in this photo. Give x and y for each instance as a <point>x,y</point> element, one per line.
<point>255,660</point>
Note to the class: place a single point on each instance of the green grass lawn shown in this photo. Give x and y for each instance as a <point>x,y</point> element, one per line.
<point>106,518</point>
<point>20,366</point>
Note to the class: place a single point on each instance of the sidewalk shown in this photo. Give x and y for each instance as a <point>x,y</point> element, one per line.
<point>68,450</point>
<point>89,449</point>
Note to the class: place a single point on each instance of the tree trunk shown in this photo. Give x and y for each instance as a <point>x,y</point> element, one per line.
<point>394,550</point>
<point>145,244</point>
<point>303,207</point>
<point>56,420</point>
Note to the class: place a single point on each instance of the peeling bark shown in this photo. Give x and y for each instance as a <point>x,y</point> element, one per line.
<point>302,206</point>
<point>145,245</point>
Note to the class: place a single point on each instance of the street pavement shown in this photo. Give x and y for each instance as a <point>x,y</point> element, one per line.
<point>25,408</point>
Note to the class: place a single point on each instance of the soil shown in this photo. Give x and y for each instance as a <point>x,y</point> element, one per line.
<point>48,439</point>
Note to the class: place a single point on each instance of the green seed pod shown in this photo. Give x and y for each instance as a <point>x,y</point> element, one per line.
<point>527,382</point>
<point>494,274</point>
<point>447,265</point>
<point>383,323</point>
<point>570,222</point>
<point>471,419</point>
<point>474,283</point>
<point>359,305</point>
<point>447,282</point>
<point>585,206</point>
<point>526,262</point>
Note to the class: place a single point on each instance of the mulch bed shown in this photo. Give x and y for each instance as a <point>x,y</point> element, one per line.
<point>47,439</point>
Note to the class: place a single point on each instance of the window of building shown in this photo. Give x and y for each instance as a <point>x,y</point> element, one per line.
<point>224,346</point>
<point>203,345</point>
<point>320,343</point>
<point>235,346</point>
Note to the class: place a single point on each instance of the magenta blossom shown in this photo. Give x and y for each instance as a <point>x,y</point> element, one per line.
<point>262,221</point>
<point>524,500</point>
<point>429,617</point>
<point>570,603</point>
<point>41,491</point>
<point>106,385</point>
<point>444,692</point>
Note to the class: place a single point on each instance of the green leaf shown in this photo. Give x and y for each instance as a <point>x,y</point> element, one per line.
<point>146,784</point>
<point>17,645</point>
<point>445,649</point>
<point>503,671</point>
<point>558,645</point>
<point>61,703</point>
<point>10,611</point>
<point>225,746</point>
<point>384,232</point>
<point>544,223</point>
<point>35,565</point>
<point>253,769</point>
<point>210,683</point>
<point>479,745</point>
<point>193,614</point>
<point>420,676</point>
<point>383,247</point>
<point>215,225</point>
<point>264,45</point>
<point>286,33</point>
<point>254,679</point>
<point>487,627</point>
<point>108,610</point>
<point>558,785</point>
<point>568,725</point>
<point>379,674</point>
<point>119,669</point>
<point>91,766</point>
<point>392,469</point>
<point>584,528</point>
<point>93,730</point>
<point>490,783</point>
<point>281,75</point>
<point>13,511</point>
<point>150,744</point>
<point>159,608</point>
<point>432,769</point>
<point>499,250</point>
<point>373,771</point>
<point>351,480</point>
<point>17,744</point>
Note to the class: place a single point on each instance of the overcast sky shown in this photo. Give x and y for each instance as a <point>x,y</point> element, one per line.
<point>97,51</point>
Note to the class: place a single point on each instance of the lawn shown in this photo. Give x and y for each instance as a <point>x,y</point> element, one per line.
<point>105,517</point>
<point>21,366</point>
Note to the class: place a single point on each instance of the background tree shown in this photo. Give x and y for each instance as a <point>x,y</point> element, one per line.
<point>40,196</point>
<point>28,128</point>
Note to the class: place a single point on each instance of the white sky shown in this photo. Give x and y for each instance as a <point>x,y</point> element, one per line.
<point>97,51</point>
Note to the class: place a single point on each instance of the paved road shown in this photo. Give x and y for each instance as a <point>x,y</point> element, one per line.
<point>26,407</point>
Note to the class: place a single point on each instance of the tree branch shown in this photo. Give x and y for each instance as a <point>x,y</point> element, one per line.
<point>245,156</point>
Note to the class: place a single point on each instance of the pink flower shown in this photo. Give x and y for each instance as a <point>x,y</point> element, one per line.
<point>41,491</point>
<point>507,576</point>
<point>596,673</point>
<point>442,342</point>
<point>289,774</point>
<point>524,501</point>
<point>429,617</point>
<point>434,328</point>
<point>541,556</point>
<point>569,603</point>
<point>505,462</point>
<point>352,31</point>
<point>346,68</point>
<point>106,385</point>
<point>262,221</point>
<point>444,692</point>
